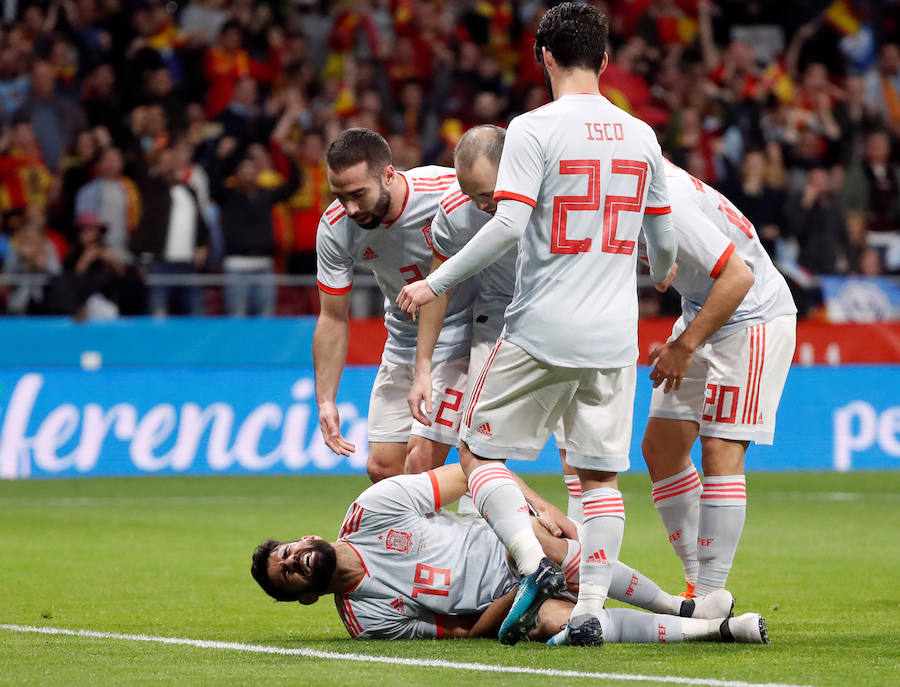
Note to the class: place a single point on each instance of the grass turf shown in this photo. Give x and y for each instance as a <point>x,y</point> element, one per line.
<point>170,557</point>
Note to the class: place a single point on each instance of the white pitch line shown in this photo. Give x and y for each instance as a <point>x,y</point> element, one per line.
<point>365,658</point>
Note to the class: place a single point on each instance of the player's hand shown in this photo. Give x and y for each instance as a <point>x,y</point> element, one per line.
<point>667,282</point>
<point>555,522</point>
<point>330,422</point>
<point>414,296</point>
<point>670,363</point>
<point>419,392</point>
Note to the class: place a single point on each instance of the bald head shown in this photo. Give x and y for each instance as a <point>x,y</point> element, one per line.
<point>477,157</point>
<point>479,141</point>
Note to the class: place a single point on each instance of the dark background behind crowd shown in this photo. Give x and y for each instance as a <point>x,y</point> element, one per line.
<point>144,143</point>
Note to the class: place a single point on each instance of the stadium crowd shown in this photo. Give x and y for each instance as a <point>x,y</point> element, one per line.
<point>144,139</point>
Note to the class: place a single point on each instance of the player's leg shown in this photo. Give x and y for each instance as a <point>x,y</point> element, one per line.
<point>597,426</point>
<point>573,484</point>
<point>389,421</point>
<point>671,432</point>
<point>429,444</point>
<point>745,388</point>
<point>676,485</point>
<point>723,509</point>
<point>625,625</point>
<point>513,407</point>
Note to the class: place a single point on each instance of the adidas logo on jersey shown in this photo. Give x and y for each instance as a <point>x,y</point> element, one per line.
<point>598,557</point>
<point>369,254</point>
<point>486,430</point>
<point>397,605</point>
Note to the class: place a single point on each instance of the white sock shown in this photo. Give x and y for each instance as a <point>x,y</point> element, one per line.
<point>501,503</point>
<point>572,562</point>
<point>723,508</point>
<point>601,540</point>
<point>677,500</point>
<point>637,627</point>
<point>573,486</point>
<point>631,587</point>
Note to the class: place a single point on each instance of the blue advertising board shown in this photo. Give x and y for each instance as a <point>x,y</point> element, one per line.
<point>243,419</point>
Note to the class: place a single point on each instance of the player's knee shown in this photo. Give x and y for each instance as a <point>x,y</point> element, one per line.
<point>652,450</point>
<point>418,459</point>
<point>379,469</point>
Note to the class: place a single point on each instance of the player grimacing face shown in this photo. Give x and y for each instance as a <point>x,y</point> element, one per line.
<point>303,567</point>
<point>363,194</point>
<point>478,183</point>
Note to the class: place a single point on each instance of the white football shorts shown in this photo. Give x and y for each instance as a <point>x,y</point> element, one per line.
<point>733,386</point>
<point>389,415</point>
<point>517,402</point>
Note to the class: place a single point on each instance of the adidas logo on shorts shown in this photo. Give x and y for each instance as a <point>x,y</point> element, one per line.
<point>369,254</point>
<point>486,430</point>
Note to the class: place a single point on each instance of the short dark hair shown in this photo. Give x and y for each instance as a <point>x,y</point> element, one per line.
<point>485,140</point>
<point>260,570</point>
<point>353,146</point>
<point>575,34</point>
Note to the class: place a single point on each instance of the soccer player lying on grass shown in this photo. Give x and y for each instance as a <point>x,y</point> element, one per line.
<point>402,568</point>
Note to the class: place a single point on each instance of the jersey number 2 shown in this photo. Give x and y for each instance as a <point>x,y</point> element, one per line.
<point>562,205</point>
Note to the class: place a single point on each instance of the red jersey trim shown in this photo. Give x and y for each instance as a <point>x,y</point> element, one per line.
<point>438,255</point>
<point>405,199</point>
<point>436,489</point>
<point>509,195</point>
<point>720,263</point>
<point>356,586</point>
<point>658,211</point>
<point>334,291</point>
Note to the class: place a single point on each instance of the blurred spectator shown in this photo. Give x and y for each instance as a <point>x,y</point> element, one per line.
<point>815,220</point>
<point>874,185</point>
<point>98,282</point>
<point>247,226</point>
<point>172,237</point>
<point>225,63</point>
<point>758,200</point>
<point>243,119</point>
<point>24,178</point>
<point>883,86</point>
<point>56,118</point>
<point>114,199</point>
<point>31,253</point>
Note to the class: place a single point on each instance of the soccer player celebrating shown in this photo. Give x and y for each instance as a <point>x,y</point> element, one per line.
<point>724,369</point>
<point>381,220</point>
<point>403,569</point>
<point>576,179</point>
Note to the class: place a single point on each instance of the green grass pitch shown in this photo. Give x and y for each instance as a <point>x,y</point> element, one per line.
<point>170,557</point>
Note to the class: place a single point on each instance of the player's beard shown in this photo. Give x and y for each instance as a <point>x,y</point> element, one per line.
<point>379,212</point>
<point>324,563</point>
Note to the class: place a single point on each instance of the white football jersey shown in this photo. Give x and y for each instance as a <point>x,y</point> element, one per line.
<point>590,171</point>
<point>398,254</point>
<point>457,221</point>
<point>419,564</point>
<point>709,229</point>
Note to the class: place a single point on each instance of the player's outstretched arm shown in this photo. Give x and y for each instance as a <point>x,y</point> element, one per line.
<point>671,360</point>
<point>431,320</point>
<point>329,353</point>
<point>491,242</point>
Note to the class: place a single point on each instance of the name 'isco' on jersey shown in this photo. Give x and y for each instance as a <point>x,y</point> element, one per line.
<point>420,563</point>
<point>456,222</point>
<point>398,254</point>
<point>709,229</point>
<point>590,171</point>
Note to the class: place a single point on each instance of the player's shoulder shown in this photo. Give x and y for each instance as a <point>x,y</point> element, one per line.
<point>453,199</point>
<point>333,214</point>
<point>431,178</point>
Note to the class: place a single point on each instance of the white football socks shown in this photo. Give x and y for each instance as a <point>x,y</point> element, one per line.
<point>501,503</point>
<point>573,509</point>
<point>723,508</point>
<point>601,540</point>
<point>677,500</point>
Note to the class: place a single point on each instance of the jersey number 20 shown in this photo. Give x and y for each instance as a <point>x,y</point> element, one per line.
<point>562,205</point>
